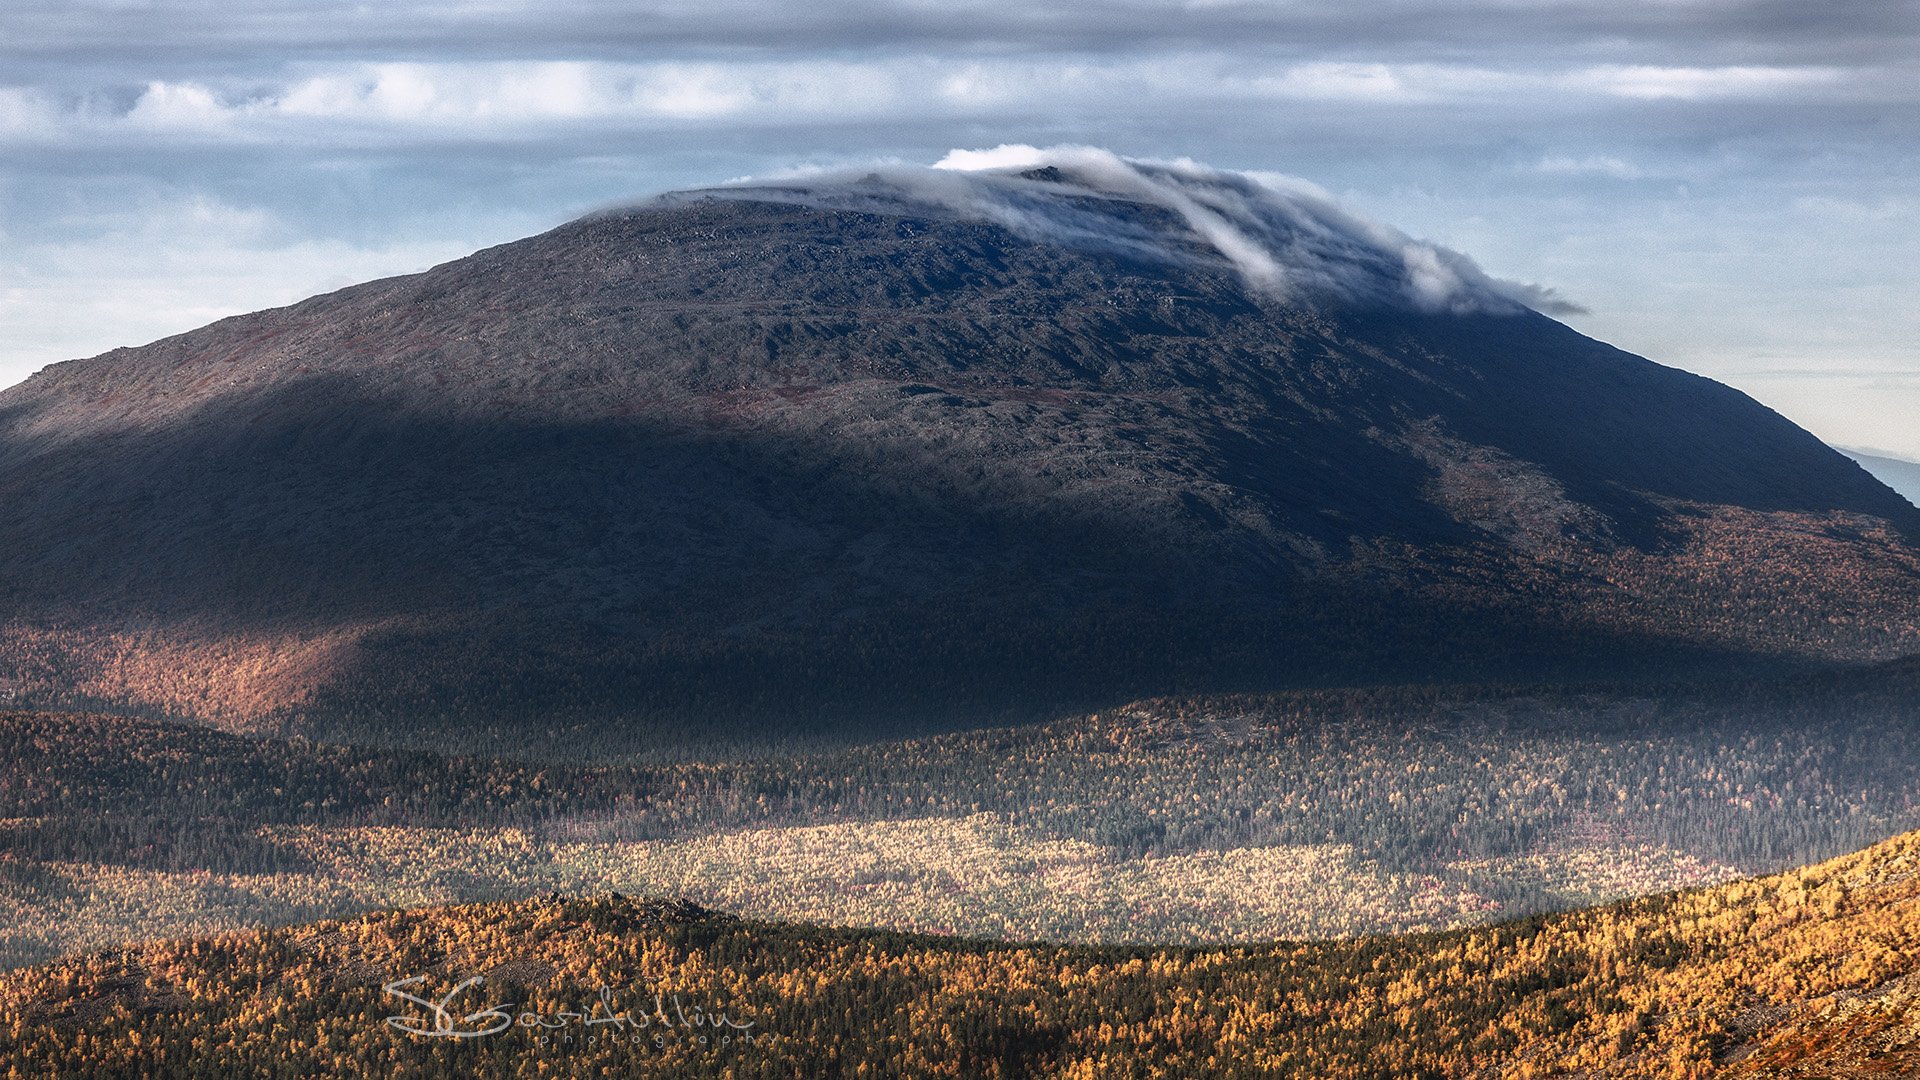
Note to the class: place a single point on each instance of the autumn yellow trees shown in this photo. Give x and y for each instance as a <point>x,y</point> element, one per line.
<point>1738,980</point>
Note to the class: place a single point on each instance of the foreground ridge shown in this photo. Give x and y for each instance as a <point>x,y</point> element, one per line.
<point>1806,973</point>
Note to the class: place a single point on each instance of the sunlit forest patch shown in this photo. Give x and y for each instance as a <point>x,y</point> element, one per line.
<point>1176,821</point>
<point>975,876</point>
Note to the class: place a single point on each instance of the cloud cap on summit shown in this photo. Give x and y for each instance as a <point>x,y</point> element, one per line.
<point>1285,236</point>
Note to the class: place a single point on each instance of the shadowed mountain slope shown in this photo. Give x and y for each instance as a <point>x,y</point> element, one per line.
<point>828,454</point>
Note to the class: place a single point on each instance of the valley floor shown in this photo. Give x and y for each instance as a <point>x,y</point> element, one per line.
<point>1180,821</point>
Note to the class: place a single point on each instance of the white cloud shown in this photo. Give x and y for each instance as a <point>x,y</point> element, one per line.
<point>1285,237</point>
<point>695,94</point>
<point>1592,165</point>
<point>1703,83</point>
<point>1882,211</point>
<point>26,114</point>
<point>1335,82</point>
<point>1004,156</point>
<point>436,94</point>
<point>465,101</point>
<point>179,107</point>
<point>490,99</point>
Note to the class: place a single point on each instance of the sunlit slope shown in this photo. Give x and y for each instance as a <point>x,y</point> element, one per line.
<point>1809,973</point>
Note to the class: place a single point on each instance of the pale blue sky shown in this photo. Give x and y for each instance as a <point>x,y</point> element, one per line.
<point>1728,185</point>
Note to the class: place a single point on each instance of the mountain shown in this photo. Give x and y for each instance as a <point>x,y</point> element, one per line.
<point>904,450</point>
<point>1811,973</point>
<point>1901,476</point>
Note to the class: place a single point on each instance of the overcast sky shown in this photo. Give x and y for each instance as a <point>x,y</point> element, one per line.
<point>1728,185</point>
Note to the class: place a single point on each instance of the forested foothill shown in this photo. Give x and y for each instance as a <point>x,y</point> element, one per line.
<point>1196,820</point>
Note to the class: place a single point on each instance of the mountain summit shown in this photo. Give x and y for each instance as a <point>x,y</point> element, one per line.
<point>909,447</point>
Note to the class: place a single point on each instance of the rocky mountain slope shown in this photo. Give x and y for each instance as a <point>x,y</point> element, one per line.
<point>916,449</point>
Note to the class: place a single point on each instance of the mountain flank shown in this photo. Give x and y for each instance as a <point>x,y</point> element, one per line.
<point>900,451</point>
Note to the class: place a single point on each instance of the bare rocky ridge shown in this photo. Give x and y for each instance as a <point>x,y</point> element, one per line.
<point>763,466</point>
